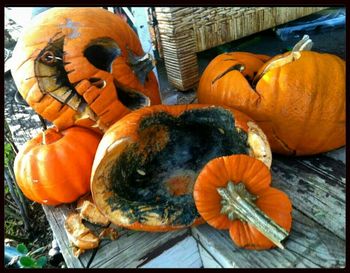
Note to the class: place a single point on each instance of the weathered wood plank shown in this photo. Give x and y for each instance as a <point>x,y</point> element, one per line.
<point>56,217</point>
<point>134,249</point>
<point>207,260</point>
<point>338,154</point>
<point>184,254</point>
<point>308,246</point>
<point>316,186</point>
<point>131,249</point>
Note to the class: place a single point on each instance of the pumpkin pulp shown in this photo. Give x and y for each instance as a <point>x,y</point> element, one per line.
<point>238,203</point>
<point>156,175</point>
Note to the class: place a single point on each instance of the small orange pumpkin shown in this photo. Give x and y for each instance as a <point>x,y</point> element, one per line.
<point>83,66</point>
<point>147,162</point>
<point>233,192</point>
<point>55,167</point>
<point>297,98</point>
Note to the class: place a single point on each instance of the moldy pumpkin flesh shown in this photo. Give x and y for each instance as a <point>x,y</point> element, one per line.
<point>147,162</point>
<point>299,105</point>
<point>83,66</point>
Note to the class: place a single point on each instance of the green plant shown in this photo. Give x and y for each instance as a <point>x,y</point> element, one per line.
<point>31,259</point>
<point>9,155</point>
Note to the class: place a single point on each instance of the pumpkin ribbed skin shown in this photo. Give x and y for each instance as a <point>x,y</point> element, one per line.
<point>128,133</point>
<point>79,27</point>
<point>58,171</point>
<point>257,179</point>
<point>300,106</point>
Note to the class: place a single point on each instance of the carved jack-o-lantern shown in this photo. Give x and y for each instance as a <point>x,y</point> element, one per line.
<point>83,66</point>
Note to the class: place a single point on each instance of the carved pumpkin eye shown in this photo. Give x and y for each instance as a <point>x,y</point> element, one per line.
<point>102,52</point>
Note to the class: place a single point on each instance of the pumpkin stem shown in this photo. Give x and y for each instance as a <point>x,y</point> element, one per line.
<point>304,44</point>
<point>141,65</point>
<point>237,203</point>
<point>43,140</point>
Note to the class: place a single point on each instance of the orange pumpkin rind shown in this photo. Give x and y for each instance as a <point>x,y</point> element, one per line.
<point>73,70</point>
<point>233,192</point>
<point>79,235</point>
<point>41,165</point>
<point>290,96</point>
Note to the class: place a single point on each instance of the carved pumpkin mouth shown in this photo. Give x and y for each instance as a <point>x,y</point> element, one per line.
<point>53,80</point>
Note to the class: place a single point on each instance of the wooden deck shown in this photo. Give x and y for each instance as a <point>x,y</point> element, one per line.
<point>316,186</point>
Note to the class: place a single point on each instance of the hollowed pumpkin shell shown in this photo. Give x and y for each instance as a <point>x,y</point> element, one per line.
<point>146,164</point>
<point>83,66</point>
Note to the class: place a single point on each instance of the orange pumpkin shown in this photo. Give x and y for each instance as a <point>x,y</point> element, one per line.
<point>233,192</point>
<point>147,162</point>
<point>83,66</point>
<point>55,167</point>
<point>297,98</point>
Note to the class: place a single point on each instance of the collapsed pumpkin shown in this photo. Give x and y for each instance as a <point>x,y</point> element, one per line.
<point>297,98</point>
<point>55,167</point>
<point>147,162</point>
<point>83,66</point>
<point>233,192</point>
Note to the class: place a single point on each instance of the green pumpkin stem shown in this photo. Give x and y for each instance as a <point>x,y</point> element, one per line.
<point>141,65</point>
<point>237,203</point>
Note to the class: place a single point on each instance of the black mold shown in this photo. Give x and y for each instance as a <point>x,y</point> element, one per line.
<point>195,137</point>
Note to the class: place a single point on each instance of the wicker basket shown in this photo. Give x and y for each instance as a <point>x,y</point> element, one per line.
<point>186,31</point>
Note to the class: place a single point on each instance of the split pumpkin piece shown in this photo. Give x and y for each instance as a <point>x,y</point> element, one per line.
<point>109,233</point>
<point>147,162</point>
<point>89,212</point>
<point>290,96</point>
<point>79,235</point>
<point>234,193</point>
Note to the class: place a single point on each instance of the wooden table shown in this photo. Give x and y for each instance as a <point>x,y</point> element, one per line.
<point>316,186</point>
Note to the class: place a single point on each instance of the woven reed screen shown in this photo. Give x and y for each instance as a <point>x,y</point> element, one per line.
<point>186,31</point>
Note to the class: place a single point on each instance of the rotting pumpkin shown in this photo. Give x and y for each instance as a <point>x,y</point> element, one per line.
<point>233,192</point>
<point>83,66</point>
<point>55,167</point>
<point>147,162</point>
<point>297,98</point>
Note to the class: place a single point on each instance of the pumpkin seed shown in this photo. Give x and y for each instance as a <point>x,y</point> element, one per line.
<point>141,172</point>
<point>221,131</point>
